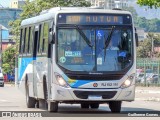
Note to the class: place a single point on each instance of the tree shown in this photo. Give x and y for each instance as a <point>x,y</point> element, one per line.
<point>8,59</point>
<point>150,3</point>
<point>145,48</point>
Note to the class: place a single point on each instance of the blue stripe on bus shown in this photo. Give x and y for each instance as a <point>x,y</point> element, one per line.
<point>22,65</point>
<point>80,83</point>
<point>76,83</point>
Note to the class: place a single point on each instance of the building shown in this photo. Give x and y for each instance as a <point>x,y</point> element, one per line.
<point>17,3</point>
<point>5,37</point>
<point>4,33</point>
<point>109,4</point>
<point>97,3</point>
<point>8,14</point>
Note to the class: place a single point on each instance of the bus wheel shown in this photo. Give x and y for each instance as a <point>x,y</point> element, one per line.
<point>84,105</point>
<point>94,105</point>
<point>52,106</point>
<point>45,94</point>
<point>29,100</point>
<point>115,106</point>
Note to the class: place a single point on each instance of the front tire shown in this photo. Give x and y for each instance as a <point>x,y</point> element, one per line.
<point>115,106</point>
<point>29,100</point>
<point>94,105</point>
<point>85,105</point>
<point>52,106</point>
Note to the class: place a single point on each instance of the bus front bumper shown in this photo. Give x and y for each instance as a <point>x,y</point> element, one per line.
<point>62,94</point>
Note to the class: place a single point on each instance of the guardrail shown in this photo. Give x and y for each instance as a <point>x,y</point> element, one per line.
<point>148,72</point>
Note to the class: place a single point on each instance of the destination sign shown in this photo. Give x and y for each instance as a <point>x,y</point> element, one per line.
<point>96,19</point>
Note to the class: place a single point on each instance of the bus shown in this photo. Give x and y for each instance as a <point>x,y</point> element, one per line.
<point>78,56</point>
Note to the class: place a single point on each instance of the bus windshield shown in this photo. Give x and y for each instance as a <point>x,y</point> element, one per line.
<point>75,54</point>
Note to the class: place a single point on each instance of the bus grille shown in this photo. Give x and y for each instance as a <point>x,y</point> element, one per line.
<point>104,94</point>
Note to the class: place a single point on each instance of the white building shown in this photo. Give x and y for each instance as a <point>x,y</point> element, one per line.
<point>141,34</point>
<point>109,4</point>
<point>17,3</point>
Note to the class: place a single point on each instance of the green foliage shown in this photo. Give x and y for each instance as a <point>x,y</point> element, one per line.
<point>145,47</point>
<point>6,68</point>
<point>8,59</point>
<point>150,3</point>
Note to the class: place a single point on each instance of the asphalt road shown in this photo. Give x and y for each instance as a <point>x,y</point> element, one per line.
<point>11,99</point>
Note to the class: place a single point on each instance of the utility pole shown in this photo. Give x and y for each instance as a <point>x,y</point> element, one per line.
<point>152,48</point>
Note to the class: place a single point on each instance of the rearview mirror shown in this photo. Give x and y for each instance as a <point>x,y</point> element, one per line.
<point>136,37</point>
<point>51,36</point>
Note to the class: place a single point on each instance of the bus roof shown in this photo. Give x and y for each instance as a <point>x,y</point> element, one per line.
<point>49,14</point>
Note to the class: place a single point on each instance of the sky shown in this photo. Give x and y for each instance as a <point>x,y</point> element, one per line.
<point>4,3</point>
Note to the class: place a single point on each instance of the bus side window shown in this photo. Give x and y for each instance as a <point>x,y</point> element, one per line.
<point>39,39</point>
<point>29,33</point>
<point>45,38</point>
<point>31,39</point>
<point>21,41</point>
<point>26,42</point>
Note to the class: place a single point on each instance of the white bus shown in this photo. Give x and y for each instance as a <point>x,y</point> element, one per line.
<point>78,55</point>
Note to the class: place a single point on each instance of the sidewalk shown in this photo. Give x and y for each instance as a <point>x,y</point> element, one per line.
<point>148,89</point>
<point>9,84</point>
<point>148,93</point>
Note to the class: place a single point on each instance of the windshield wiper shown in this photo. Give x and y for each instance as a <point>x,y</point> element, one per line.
<point>84,37</point>
<point>107,41</point>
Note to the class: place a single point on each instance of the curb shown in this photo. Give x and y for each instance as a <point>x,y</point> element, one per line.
<point>9,84</point>
<point>148,91</point>
<point>154,99</point>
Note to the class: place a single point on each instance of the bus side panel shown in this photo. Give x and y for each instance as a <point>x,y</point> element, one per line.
<point>25,67</point>
<point>41,67</point>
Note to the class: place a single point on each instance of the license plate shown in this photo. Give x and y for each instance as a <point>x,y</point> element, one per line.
<point>91,97</point>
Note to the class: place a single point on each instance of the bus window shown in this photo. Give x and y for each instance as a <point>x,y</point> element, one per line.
<point>26,42</point>
<point>31,39</point>
<point>29,32</point>
<point>23,41</point>
<point>39,38</point>
<point>45,38</point>
<point>20,50</point>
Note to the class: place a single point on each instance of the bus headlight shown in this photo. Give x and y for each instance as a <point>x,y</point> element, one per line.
<point>61,81</point>
<point>128,82</point>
